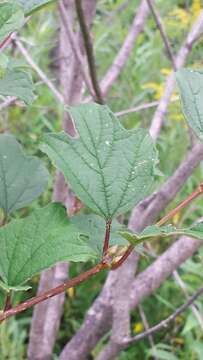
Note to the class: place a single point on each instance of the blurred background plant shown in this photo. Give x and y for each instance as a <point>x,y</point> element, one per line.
<point>141,81</point>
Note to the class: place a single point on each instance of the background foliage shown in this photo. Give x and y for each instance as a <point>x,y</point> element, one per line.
<point>141,81</point>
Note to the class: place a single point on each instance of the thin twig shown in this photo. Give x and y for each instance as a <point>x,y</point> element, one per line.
<point>184,203</point>
<point>163,220</point>
<point>162,31</point>
<point>75,48</point>
<point>146,326</point>
<point>182,285</point>
<point>52,292</point>
<point>180,59</point>
<point>164,323</point>
<point>89,51</point>
<point>41,74</point>
<point>144,106</point>
<point>9,101</point>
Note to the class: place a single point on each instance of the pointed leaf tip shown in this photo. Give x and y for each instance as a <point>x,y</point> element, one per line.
<point>109,168</point>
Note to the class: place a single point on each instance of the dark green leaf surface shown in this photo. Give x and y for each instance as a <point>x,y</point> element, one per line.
<point>22,178</point>
<point>11,18</point>
<point>190,84</point>
<point>154,231</point>
<point>109,168</point>
<point>39,241</point>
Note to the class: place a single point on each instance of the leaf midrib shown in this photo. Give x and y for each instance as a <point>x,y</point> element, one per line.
<point>99,164</point>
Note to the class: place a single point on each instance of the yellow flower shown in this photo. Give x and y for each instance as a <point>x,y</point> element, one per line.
<point>181,15</point>
<point>178,117</point>
<point>176,218</point>
<point>156,88</point>
<point>71,292</point>
<point>138,327</point>
<point>196,8</point>
<point>165,71</point>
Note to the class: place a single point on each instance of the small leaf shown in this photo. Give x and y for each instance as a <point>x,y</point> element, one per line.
<point>11,18</point>
<point>32,5</point>
<point>190,84</point>
<point>154,231</point>
<point>31,245</point>
<point>109,168</point>
<point>94,226</point>
<point>22,178</point>
<point>16,82</point>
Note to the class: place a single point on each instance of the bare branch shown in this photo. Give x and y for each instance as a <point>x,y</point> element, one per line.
<point>170,83</point>
<point>126,48</point>
<point>9,101</point>
<point>162,31</point>
<point>146,326</point>
<point>182,285</point>
<point>164,323</point>
<point>89,51</point>
<point>41,74</point>
<point>74,46</point>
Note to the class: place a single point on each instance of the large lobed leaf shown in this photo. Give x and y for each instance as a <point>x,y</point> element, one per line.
<point>190,84</point>
<point>11,18</point>
<point>154,231</point>
<point>22,178</point>
<point>109,168</point>
<point>39,241</point>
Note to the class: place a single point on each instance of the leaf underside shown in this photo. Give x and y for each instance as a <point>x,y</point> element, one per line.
<point>109,168</point>
<point>31,245</point>
<point>190,84</point>
<point>22,178</point>
<point>154,231</point>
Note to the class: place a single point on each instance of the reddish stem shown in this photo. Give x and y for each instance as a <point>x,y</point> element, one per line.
<point>5,41</point>
<point>185,202</point>
<point>107,236</point>
<point>52,292</point>
<point>8,304</point>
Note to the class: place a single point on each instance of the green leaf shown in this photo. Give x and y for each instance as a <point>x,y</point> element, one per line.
<point>22,178</point>
<point>11,18</point>
<point>18,83</point>
<point>94,226</point>
<point>33,5</point>
<point>31,245</point>
<point>109,168</point>
<point>190,84</point>
<point>154,231</point>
